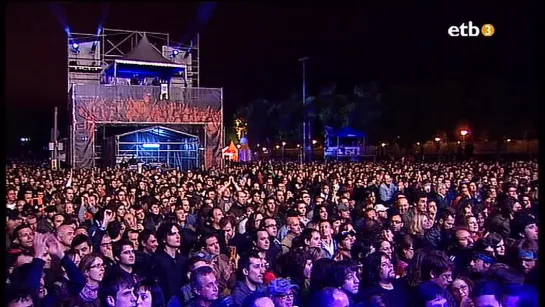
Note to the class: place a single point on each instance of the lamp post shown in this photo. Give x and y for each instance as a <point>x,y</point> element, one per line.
<point>438,142</point>
<point>300,151</point>
<point>464,133</point>
<point>306,124</point>
<point>312,150</point>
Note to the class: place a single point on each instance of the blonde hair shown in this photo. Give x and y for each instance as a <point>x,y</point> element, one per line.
<point>415,226</point>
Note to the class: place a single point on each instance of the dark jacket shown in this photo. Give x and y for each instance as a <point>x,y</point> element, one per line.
<point>143,264</point>
<point>499,224</point>
<point>170,273</point>
<point>241,292</point>
<point>433,238</point>
<point>67,287</point>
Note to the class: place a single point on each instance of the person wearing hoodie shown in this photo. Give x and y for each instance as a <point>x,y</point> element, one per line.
<point>251,271</point>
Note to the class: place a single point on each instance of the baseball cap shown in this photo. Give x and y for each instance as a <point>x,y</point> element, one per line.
<point>280,286</point>
<point>343,235</point>
<point>380,207</point>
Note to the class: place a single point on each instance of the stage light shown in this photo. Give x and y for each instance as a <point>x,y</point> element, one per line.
<point>417,143</point>
<point>464,132</point>
<point>283,143</point>
<point>277,146</point>
<point>438,139</point>
<point>151,145</point>
<point>238,146</point>
<point>314,142</point>
<point>75,47</point>
<point>383,144</point>
<point>174,53</point>
<point>508,140</point>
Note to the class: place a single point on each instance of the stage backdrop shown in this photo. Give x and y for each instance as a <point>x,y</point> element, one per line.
<point>92,105</point>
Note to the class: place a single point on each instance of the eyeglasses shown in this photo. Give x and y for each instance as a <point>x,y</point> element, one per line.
<point>97,266</point>
<point>286,296</point>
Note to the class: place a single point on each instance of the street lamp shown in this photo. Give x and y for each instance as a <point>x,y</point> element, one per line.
<point>312,150</point>
<point>300,151</point>
<point>306,123</point>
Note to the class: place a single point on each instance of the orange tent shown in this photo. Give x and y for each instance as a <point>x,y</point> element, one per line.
<point>232,149</point>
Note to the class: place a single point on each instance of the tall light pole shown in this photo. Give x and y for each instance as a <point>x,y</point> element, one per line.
<point>306,124</point>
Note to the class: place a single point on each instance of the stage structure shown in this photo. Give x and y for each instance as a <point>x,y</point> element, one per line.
<point>144,81</point>
<point>345,143</point>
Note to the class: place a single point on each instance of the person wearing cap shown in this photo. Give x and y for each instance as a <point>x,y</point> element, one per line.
<point>480,263</point>
<point>527,252</point>
<point>344,241</point>
<point>282,292</point>
<point>382,212</point>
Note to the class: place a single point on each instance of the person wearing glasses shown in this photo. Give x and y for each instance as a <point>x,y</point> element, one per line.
<point>282,292</point>
<point>275,247</point>
<point>93,269</point>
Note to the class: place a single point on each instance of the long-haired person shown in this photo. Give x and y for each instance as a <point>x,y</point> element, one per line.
<point>380,279</point>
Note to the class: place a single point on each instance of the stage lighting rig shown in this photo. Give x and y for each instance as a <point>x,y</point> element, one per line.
<point>75,47</point>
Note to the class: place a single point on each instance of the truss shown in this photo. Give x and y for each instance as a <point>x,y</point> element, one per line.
<point>114,44</point>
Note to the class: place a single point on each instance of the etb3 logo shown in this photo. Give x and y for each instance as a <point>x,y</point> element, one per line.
<point>470,30</point>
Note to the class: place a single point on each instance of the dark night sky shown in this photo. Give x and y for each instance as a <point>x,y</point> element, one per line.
<point>251,50</point>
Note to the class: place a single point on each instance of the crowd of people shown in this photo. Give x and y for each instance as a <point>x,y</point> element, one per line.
<point>375,234</point>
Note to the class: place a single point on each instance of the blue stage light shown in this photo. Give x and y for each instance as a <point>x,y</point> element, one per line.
<point>174,52</point>
<point>151,145</point>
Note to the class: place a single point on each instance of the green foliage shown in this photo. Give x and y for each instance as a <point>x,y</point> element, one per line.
<point>282,120</point>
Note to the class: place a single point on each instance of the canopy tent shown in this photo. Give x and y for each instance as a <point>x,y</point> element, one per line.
<point>231,152</point>
<point>344,142</point>
<point>345,132</point>
<point>159,145</point>
<point>144,60</point>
